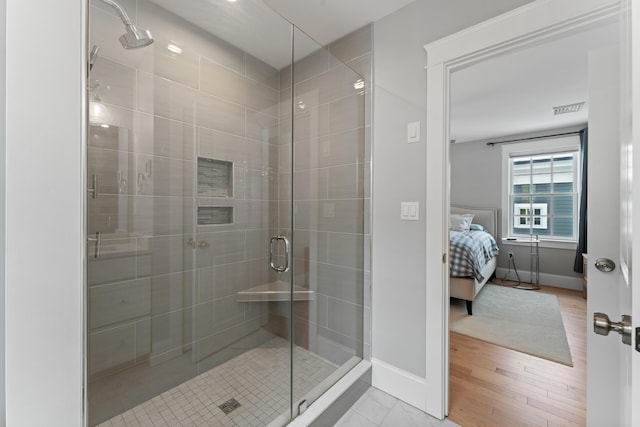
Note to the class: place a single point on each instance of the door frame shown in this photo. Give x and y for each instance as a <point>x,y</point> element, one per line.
<point>534,23</point>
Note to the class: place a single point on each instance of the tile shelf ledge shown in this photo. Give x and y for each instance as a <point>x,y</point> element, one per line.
<point>274,291</point>
<point>119,245</point>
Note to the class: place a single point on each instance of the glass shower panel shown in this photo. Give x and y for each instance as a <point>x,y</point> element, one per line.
<point>330,87</point>
<point>186,321</point>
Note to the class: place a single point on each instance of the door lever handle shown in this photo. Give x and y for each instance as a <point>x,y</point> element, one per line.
<point>602,326</point>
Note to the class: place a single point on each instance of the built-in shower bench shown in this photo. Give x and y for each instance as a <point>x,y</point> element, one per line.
<point>275,291</point>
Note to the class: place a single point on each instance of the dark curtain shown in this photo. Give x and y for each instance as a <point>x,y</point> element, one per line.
<point>582,224</point>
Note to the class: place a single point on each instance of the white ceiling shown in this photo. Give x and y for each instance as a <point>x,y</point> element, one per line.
<point>328,20</point>
<point>254,27</point>
<point>515,93</point>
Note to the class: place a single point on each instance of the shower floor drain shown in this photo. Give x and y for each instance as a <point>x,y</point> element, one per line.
<point>229,406</point>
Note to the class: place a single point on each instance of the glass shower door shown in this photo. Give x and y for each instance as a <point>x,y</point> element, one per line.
<point>183,323</point>
<point>227,195</point>
<point>329,86</point>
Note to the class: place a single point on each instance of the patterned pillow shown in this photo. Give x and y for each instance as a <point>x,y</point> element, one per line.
<point>477,227</point>
<point>460,222</point>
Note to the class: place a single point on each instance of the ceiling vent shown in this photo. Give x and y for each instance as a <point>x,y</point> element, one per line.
<point>571,108</point>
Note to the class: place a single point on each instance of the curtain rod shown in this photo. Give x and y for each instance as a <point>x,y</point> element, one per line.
<point>532,137</point>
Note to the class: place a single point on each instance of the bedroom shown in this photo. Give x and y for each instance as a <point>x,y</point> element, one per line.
<point>512,98</point>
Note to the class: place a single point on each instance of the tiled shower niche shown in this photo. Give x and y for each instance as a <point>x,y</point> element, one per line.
<point>215,215</point>
<point>215,178</point>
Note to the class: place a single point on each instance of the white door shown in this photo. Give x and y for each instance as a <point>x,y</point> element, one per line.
<point>611,382</point>
<point>610,386</point>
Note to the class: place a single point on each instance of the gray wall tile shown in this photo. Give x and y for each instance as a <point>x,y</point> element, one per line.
<point>120,133</point>
<point>163,137</point>
<point>346,182</point>
<point>311,65</point>
<point>111,348</point>
<point>178,67</point>
<point>167,25</point>
<point>110,213</point>
<point>262,127</point>
<point>347,113</point>
<point>170,254</point>
<point>262,72</point>
<point>114,83</point>
<point>346,250</point>
<point>310,245</point>
<point>119,302</point>
<point>110,269</point>
<point>337,149</point>
<point>326,87</point>
<point>171,292</point>
<point>285,77</point>
<point>344,216</point>
<point>143,339</point>
<point>310,184</point>
<point>313,123</point>
<point>171,331</point>
<point>352,45</point>
<point>114,170</point>
<point>237,88</point>
<point>164,98</point>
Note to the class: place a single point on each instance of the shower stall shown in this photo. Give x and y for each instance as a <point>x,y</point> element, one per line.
<point>228,177</point>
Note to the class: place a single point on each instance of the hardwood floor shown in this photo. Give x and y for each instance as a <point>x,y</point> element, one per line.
<point>494,386</point>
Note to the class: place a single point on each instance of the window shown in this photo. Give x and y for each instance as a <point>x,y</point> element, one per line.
<point>542,189</point>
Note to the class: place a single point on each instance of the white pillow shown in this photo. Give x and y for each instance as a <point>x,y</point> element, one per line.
<point>460,222</point>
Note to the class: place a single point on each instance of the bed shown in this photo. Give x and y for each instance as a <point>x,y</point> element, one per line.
<point>465,282</point>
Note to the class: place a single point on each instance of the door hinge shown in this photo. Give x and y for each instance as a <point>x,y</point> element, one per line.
<point>444,258</point>
<point>637,339</point>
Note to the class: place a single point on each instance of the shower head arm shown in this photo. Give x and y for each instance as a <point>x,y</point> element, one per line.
<point>121,12</point>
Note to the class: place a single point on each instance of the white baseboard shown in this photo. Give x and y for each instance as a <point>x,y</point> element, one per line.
<point>555,280</point>
<point>400,384</point>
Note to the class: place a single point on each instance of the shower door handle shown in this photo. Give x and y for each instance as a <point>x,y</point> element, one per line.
<point>279,268</point>
<point>94,186</point>
<point>98,240</point>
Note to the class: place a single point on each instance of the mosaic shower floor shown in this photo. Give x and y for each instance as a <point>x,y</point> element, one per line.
<point>258,380</point>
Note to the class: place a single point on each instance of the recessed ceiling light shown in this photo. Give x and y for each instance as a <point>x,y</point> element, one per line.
<point>569,108</point>
<point>173,48</point>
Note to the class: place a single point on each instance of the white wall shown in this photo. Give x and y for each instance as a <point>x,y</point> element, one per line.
<point>398,247</point>
<point>44,212</point>
<point>3,64</point>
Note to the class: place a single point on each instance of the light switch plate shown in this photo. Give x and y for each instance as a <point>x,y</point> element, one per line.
<point>413,132</point>
<point>410,211</point>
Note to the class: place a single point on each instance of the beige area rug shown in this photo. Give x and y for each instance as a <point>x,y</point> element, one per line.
<point>526,321</point>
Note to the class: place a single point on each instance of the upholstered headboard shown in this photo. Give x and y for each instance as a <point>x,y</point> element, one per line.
<point>488,217</point>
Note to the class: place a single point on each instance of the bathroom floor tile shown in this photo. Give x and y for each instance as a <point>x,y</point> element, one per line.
<point>379,409</point>
<point>258,380</point>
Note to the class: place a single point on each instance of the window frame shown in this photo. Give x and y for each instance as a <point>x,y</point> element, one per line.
<point>543,146</point>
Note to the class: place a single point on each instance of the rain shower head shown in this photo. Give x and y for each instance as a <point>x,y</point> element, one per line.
<point>135,37</point>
